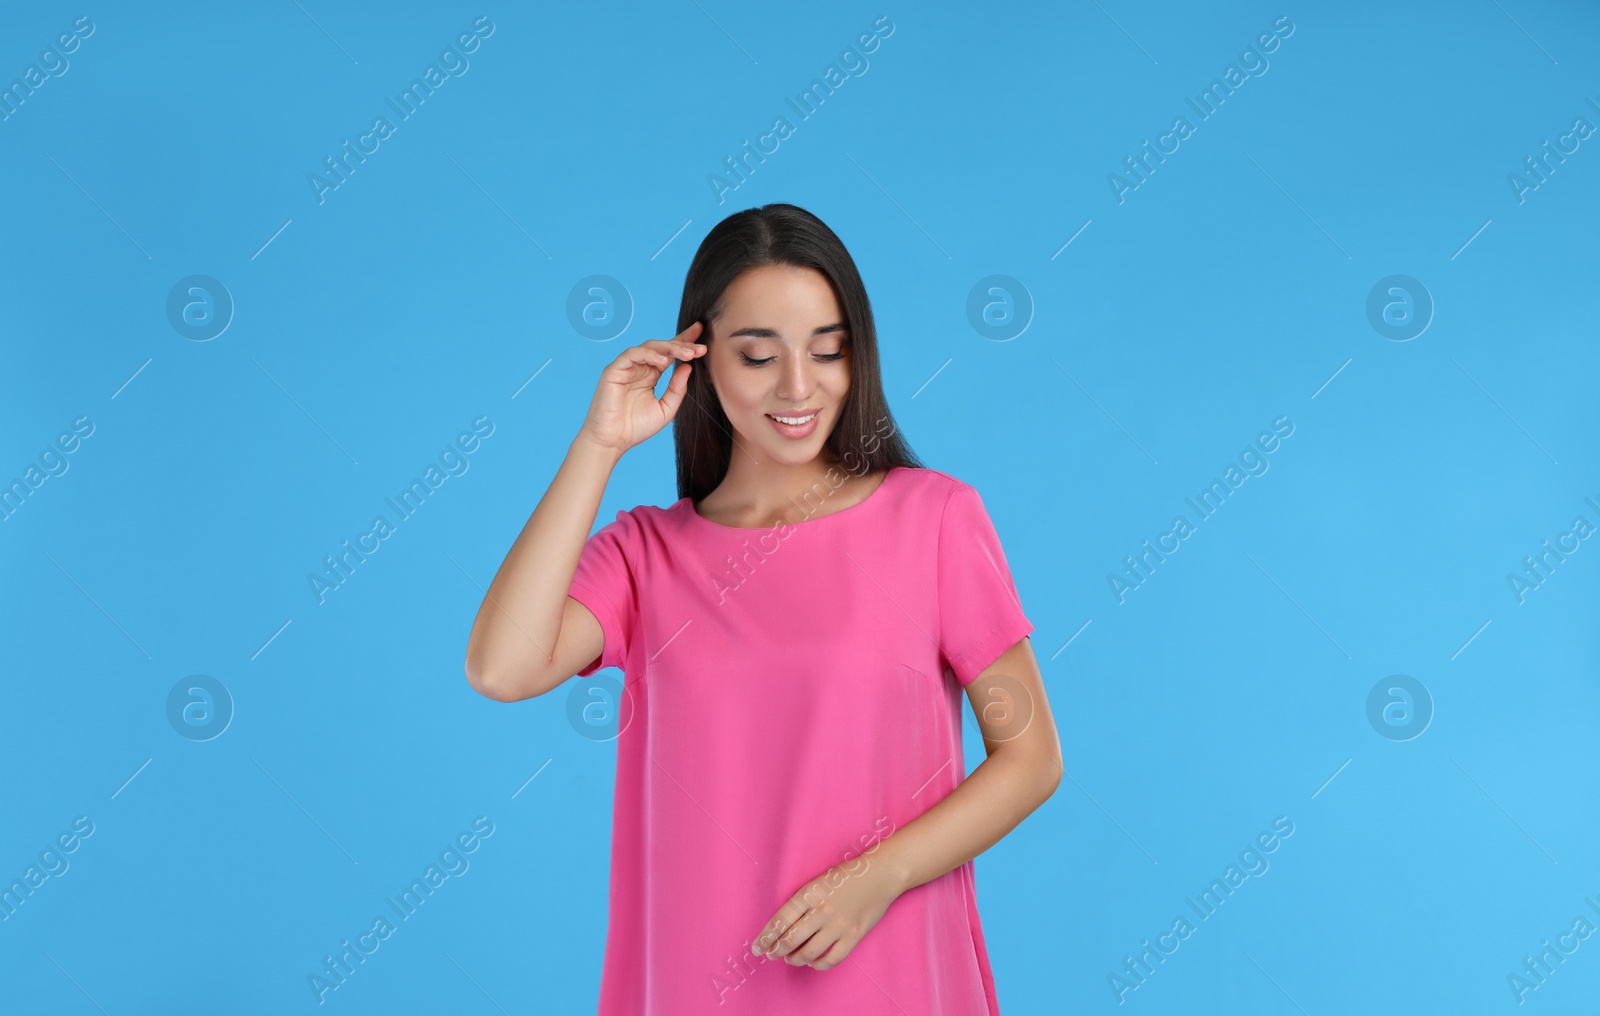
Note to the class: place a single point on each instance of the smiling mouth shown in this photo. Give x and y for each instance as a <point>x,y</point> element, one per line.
<point>797,427</point>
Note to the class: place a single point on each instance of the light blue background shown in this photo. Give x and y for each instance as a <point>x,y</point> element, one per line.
<point>424,293</point>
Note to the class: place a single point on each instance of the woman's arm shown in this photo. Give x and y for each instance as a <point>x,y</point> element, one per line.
<point>516,650</point>
<point>823,922</point>
<point>1022,770</point>
<point>529,635</point>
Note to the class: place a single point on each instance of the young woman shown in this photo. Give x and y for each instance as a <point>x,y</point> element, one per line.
<point>795,633</point>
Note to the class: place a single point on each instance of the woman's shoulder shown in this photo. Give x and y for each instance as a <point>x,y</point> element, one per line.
<point>628,524</point>
<point>943,501</point>
<point>650,515</point>
<point>932,484</point>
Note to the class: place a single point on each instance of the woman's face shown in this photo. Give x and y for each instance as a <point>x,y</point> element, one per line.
<point>781,349</point>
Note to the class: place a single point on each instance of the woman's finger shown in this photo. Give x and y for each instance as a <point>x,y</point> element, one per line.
<point>686,349</point>
<point>640,355</point>
<point>797,934</point>
<point>677,388</point>
<point>768,939</point>
<point>834,956</point>
<point>778,924</point>
<point>661,352</point>
<point>686,340</point>
<point>813,948</point>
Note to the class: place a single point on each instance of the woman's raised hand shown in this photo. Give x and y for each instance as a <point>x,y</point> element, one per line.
<point>625,410</point>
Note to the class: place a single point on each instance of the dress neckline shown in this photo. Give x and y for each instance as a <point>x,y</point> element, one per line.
<point>688,507</point>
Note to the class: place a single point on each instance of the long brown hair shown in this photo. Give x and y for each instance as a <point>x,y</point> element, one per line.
<point>865,436</point>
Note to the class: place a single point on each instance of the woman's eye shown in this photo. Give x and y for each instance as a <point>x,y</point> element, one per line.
<point>824,357</point>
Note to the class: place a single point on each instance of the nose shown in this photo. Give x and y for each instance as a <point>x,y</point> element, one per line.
<point>794,382</point>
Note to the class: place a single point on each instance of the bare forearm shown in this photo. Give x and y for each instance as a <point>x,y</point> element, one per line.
<point>519,621</point>
<point>1005,789</point>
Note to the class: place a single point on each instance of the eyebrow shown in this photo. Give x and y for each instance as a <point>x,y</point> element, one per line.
<point>770,333</point>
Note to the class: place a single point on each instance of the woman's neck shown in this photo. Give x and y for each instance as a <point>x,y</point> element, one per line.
<point>758,495</point>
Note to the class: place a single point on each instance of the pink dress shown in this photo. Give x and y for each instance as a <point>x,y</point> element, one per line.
<point>793,695</point>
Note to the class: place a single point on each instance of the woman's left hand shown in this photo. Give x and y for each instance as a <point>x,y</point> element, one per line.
<point>824,920</point>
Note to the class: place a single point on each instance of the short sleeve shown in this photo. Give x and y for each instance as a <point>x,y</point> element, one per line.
<point>604,582</point>
<point>980,615</point>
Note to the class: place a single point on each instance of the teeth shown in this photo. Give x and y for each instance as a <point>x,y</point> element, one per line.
<point>793,421</point>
